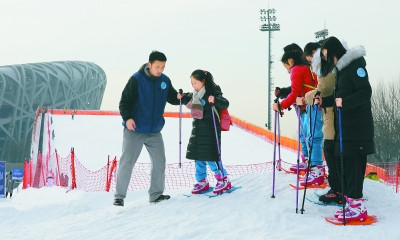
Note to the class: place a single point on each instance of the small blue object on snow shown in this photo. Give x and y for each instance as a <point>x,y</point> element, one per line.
<point>163,85</point>
<point>361,72</point>
<point>210,194</point>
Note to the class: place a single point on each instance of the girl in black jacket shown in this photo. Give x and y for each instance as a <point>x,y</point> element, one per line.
<point>202,147</point>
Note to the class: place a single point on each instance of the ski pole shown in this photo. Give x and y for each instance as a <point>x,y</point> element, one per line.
<point>180,129</point>
<point>298,158</point>
<point>216,138</point>
<point>276,120</point>
<point>274,157</point>
<point>298,110</point>
<point>312,133</point>
<point>279,144</point>
<point>339,110</point>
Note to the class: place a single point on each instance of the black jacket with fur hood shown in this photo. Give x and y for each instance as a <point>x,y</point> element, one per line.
<point>353,87</point>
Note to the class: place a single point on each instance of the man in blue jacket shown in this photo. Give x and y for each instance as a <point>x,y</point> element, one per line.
<point>142,107</point>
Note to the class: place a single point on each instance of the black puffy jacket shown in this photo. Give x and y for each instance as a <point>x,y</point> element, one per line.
<point>353,87</point>
<point>202,143</point>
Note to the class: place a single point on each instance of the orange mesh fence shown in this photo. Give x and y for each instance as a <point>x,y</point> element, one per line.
<point>389,173</point>
<point>264,133</point>
<point>106,113</point>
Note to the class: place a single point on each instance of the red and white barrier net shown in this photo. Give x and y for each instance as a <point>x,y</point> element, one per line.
<point>72,174</point>
<point>52,169</point>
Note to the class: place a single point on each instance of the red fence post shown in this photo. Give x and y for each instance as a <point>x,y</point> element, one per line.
<point>73,186</point>
<point>113,169</point>
<point>108,168</point>
<point>59,182</point>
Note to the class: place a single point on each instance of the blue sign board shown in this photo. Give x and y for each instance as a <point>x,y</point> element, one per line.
<point>2,179</point>
<point>17,173</point>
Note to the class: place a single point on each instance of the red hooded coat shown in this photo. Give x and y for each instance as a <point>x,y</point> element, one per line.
<point>302,78</point>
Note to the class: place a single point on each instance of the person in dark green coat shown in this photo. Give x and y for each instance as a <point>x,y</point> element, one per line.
<point>10,185</point>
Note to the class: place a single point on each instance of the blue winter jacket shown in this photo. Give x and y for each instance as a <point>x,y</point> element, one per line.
<point>144,98</point>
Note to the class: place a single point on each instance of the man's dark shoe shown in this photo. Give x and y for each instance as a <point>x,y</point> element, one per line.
<point>118,202</point>
<point>331,196</point>
<point>161,198</point>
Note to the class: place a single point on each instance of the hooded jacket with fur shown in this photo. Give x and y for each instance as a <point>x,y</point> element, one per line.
<point>352,85</point>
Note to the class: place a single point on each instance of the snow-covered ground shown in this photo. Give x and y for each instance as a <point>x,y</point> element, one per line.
<point>247,213</point>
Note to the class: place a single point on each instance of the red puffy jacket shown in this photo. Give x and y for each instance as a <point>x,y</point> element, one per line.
<point>302,80</point>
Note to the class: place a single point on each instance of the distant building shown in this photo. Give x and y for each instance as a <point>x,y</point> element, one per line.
<point>25,87</point>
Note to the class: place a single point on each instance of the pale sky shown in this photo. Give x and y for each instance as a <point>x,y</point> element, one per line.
<point>221,36</point>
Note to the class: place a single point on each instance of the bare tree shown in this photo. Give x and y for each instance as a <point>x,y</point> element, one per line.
<point>386,113</point>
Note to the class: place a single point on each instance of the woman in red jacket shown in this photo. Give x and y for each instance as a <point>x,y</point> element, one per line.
<point>304,80</point>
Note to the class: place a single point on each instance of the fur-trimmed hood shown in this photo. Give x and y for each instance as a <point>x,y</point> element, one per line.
<point>316,61</point>
<point>349,56</point>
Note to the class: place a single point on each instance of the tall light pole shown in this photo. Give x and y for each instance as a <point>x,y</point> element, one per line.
<point>268,25</point>
<point>321,34</point>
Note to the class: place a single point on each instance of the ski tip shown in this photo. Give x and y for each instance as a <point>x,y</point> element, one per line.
<point>371,219</point>
<point>324,185</point>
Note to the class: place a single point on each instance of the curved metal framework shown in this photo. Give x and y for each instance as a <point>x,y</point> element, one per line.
<point>25,87</point>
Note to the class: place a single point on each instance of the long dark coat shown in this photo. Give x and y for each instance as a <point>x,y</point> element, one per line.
<point>202,143</point>
<point>353,87</point>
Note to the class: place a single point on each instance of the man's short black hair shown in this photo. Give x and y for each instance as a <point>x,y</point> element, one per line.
<point>156,55</point>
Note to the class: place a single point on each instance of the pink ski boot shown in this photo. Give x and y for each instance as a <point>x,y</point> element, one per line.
<point>303,166</point>
<point>356,210</point>
<point>222,184</point>
<point>201,186</point>
<point>315,176</point>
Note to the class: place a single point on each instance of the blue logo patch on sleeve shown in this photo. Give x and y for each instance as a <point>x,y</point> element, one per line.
<point>361,72</point>
<point>203,102</point>
<point>163,85</point>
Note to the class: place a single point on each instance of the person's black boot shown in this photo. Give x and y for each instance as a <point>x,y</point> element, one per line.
<point>331,196</point>
<point>118,202</point>
<point>161,198</point>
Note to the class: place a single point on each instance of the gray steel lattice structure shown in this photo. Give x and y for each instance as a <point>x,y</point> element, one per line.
<point>25,87</point>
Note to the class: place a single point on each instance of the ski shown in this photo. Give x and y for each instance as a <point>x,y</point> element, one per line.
<point>324,185</point>
<point>201,193</point>
<point>233,188</point>
<point>301,173</point>
<point>210,194</point>
<point>371,219</point>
